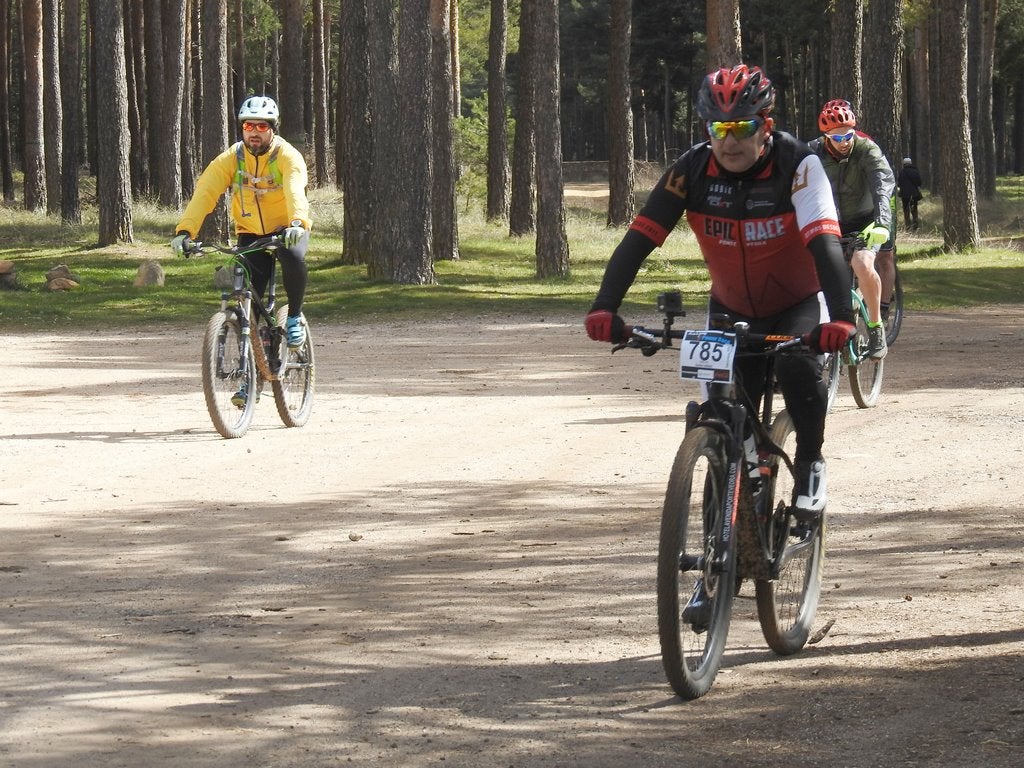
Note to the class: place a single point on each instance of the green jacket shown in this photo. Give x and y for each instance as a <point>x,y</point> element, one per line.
<point>862,182</point>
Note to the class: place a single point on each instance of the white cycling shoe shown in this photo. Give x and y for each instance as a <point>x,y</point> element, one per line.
<point>811,491</point>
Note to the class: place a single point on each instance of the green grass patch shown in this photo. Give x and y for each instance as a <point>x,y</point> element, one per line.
<point>495,274</point>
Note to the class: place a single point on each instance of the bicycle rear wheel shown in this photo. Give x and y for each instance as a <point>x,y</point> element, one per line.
<point>694,594</point>
<point>894,320</point>
<point>865,372</point>
<point>293,388</point>
<point>830,371</point>
<point>787,604</point>
<point>229,368</point>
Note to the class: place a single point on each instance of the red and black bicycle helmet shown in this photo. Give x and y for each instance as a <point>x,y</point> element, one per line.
<point>731,94</point>
<point>836,113</point>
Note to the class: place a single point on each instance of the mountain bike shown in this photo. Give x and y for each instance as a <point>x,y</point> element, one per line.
<point>235,368</point>
<point>728,511</point>
<point>865,373</point>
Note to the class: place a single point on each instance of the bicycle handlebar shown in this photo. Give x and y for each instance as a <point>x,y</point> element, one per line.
<point>198,247</point>
<point>650,341</point>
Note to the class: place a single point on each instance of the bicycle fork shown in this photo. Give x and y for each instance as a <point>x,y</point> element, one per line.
<point>715,562</point>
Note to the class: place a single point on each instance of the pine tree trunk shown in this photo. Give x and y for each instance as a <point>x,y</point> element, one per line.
<point>724,46</point>
<point>52,113</point>
<point>846,45</point>
<point>33,163</point>
<point>524,149</point>
<point>620,117</point>
<point>354,154</point>
<point>113,190</point>
<point>959,200</point>
<point>497,128</point>
<point>985,137</point>
<point>6,161</point>
<point>880,111</point>
<point>293,77</point>
<point>552,245</point>
<point>151,106</point>
<point>169,130</point>
<point>413,263</point>
<point>320,128</point>
<point>71,85</point>
<point>382,43</point>
<point>445,225</point>
<point>215,109</point>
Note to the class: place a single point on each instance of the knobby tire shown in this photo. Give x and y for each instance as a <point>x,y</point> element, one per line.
<point>894,321</point>
<point>294,385</point>
<point>786,605</point>
<point>691,520</point>
<point>865,372</point>
<point>228,365</point>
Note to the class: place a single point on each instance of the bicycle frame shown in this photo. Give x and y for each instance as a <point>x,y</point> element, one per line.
<point>729,410</point>
<point>245,301</point>
<point>850,354</point>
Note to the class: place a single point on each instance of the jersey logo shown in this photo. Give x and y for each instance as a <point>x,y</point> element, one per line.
<point>720,229</point>
<point>800,179</point>
<point>758,230</point>
<point>676,184</point>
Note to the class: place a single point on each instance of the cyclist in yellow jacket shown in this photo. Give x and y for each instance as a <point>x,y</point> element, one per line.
<point>267,177</point>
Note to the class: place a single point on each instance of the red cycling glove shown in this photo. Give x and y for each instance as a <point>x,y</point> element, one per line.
<point>830,337</point>
<point>603,325</point>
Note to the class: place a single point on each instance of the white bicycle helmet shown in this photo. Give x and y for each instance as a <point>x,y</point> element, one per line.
<point>259,108</point>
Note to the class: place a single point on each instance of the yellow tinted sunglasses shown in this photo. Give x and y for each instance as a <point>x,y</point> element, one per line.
<point>741,129</point>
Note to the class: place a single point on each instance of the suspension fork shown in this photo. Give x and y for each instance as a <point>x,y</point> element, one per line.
<point>243,311</point>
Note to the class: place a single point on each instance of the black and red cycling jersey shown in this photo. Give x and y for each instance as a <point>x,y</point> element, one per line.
<point>760,232</point>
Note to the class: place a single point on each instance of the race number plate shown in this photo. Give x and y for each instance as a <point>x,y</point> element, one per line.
<point>707,356</point>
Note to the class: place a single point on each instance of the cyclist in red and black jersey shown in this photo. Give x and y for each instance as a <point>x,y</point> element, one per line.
<point>761,207</point>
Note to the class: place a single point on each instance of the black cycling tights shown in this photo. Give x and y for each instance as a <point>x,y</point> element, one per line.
<point>294,271</point>
<point>799,376</point>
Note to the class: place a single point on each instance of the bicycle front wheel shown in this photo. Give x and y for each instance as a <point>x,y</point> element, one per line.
<point>695,594</point>
<point>293,388</point>
<point>788,602</point>
<point>865,372</point>
<point>229,375</point>
<point>894,320</point>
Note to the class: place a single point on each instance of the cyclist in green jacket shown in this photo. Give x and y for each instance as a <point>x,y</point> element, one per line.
<point>267,177</point>
<point>862,184</point>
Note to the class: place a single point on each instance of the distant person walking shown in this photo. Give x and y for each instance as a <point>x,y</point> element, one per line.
<point>909,183</point>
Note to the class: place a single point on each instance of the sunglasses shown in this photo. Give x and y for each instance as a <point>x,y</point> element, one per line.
<point>839,138</point>
<point>741,129</point>
<point>250,126</point>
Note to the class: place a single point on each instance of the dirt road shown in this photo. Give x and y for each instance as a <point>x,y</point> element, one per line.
<point>453,562</point>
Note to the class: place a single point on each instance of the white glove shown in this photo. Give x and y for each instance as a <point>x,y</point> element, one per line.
<point>292,235</point>
<point>178,244</point>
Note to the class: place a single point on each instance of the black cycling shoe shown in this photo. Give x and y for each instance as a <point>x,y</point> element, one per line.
<point>697,612</point>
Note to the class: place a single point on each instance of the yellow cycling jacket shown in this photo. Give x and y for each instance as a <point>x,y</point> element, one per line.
<point>267,192</point>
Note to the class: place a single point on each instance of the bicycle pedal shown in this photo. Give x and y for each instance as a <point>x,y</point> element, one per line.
<point>803,529</point>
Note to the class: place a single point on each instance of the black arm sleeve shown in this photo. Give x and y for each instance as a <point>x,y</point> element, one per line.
<point>621,271</point>
<point>834,276</point>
